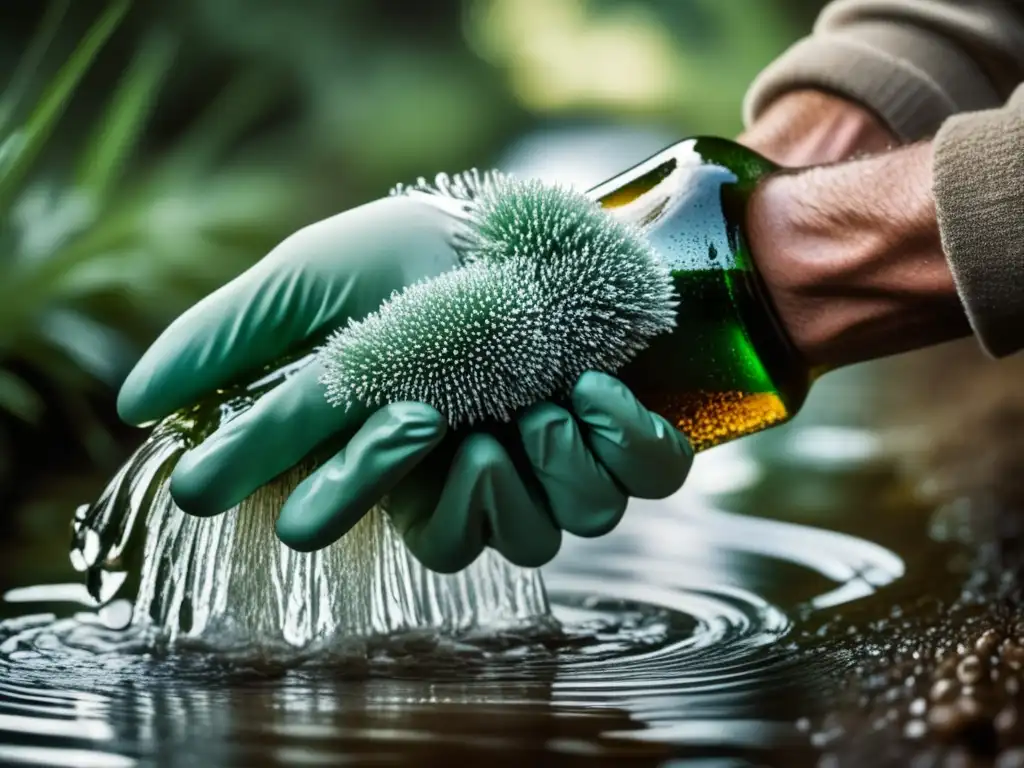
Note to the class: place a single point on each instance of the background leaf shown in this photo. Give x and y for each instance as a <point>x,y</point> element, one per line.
<point>32,136</point>
<point>150,151</point>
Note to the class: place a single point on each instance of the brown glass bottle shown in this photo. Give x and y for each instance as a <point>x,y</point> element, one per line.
<point>727,369</point>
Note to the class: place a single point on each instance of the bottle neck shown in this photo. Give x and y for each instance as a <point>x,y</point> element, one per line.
<point>728,368</point>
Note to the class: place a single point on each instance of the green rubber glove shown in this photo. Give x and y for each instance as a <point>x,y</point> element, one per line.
<point>571,472</point>
<point>450,494</point>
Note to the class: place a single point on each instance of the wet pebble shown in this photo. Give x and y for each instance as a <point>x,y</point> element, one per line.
<point>958,758</point>
<point>1010,758</point>
<point>943,718</point>
<point>947,667</point>
<point>956,698</point>
<point>943,690</point>
<point>1006,720</point>
<point>969,708</point>
<point>987,643</point>
<point>970,670</point>
<point>915,729</point>
<point>1013,655</point>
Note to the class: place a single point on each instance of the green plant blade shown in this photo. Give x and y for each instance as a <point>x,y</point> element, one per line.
<point>243,101</point>
<point>118,132</point>
<point>40,124</point>
<point>31,60</point>
<point>18,398</point>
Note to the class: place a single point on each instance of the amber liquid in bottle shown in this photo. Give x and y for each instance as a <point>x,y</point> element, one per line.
<point>727,369</point>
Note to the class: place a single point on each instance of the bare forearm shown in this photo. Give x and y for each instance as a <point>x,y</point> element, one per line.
<point>810,127</point>
<point>852,258</point>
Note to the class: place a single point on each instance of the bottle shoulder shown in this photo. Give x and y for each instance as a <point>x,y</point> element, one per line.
<point>689,201</point>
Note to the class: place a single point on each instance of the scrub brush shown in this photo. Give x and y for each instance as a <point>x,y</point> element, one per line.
<point>549,286</point>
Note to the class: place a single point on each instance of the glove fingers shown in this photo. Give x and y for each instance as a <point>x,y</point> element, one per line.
<point>522,529</point>
<point>483,491</point>
<point>440,528</point>
<point>646,455</point>
<point>326,505</point>
<point>583,497</point>
<point>235,330</point>
<point>267,312</point>
<point>274,435</point>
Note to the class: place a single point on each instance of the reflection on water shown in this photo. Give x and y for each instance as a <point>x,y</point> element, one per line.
<point>673,641</point>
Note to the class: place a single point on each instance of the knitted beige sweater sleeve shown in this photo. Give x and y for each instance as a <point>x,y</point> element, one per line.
<point>979,196</point>
<point>942,69</point>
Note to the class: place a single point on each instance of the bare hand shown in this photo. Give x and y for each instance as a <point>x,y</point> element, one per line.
<point>849,248</point>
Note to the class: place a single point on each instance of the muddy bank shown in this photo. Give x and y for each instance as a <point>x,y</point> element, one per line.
<point>938,680</point>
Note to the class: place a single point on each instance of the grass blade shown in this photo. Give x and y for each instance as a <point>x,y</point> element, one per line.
<point>242,102</point>
<point>40,124</point>
<point>18,398</point>
<point>30,62</point>
<point>118,132</point>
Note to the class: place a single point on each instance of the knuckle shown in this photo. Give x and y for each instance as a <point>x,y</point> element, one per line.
<point>484,454</point>
<point>545,415</point>
<point>440,554</point>
<point>542,553</point>
<point>666,481</point>
<point>444,560</point>
<point>597,522</point>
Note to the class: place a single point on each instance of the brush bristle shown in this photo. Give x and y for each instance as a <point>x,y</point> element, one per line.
<point>552,287</point>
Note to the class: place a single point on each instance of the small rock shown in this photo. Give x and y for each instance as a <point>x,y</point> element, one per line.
<point>1010,758</point>
<point>915,729</point>
<point>918,707</point>
<point>970,670</point>
<point>944,719</point>
<point>987,643</point>
<point>969,708</point>
<point>1006,720</point>
<point>1013,656</point>
<point>944,690</point>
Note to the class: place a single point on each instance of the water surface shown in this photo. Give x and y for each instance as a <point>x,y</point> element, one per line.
<point>683,638</point>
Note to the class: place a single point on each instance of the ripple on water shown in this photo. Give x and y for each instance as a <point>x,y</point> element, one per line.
<point>668,634</point>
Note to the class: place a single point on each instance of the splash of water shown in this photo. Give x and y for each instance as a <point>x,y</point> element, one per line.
<point>675,633</point>
<point>227,581</point>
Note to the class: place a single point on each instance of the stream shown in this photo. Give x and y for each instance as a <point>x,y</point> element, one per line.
<point>702,632</point>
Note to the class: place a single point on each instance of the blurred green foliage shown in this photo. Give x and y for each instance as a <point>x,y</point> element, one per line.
<point>100,246</point>
<point>150,151</point>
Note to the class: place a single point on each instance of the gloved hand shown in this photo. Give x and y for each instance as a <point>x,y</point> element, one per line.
<point>449,494</point>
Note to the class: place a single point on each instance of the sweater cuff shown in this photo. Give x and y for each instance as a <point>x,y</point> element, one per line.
<point>911,78</point>
<point>978,167</point>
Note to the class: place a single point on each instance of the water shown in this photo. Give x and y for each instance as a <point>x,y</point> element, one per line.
<point>678,647</point>
<point>226,582</point>
<point>690,635</point>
